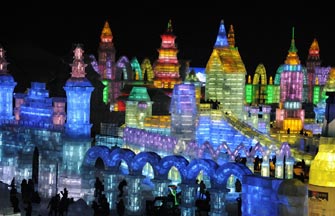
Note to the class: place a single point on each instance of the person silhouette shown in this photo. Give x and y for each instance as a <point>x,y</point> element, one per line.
<point>121,186</point>
<point>202,189</point>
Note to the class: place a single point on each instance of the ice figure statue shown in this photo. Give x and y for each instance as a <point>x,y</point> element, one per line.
<point>7,84</point>
<point>77,138</point>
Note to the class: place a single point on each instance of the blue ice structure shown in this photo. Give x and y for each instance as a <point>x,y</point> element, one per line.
<point>183,109</point>
<point>78,93</point>
<point>221,39</point>
<point>77,139</point>
<point>7,84</point>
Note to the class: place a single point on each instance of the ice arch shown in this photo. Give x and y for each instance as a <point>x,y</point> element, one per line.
<point>119,154</point>
<point>123,67</point>
<point>94,153</point>
<point>195,166</point>
<point>167,162</point>
<point>142,158</point>
<point>227,169</point>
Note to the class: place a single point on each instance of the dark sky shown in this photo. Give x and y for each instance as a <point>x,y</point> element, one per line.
<point>262,36</point>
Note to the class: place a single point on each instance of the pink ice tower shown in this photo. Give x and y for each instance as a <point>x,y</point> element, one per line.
<point>290,115</point>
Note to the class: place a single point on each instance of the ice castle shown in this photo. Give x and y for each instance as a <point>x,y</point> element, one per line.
<point>194,140</point>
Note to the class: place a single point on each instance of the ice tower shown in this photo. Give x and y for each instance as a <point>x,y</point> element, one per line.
<point>321,188</point>
<point>166,68</point>
<point>77,138</point>
<point>107,67</point>
<point>138,107</point>
<point>7,84</point>
<point>225,74</point>
<point>290,114</point>
<point>183,111</point>
<point>106,53</point>
<point>78,93</point>
<point>313,61</point>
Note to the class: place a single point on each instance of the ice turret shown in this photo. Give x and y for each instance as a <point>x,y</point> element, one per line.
<point>166,68</point>
<point>78,93</point>
<point>7,85</point>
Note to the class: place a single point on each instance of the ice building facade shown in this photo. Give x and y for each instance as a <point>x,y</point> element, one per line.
<point>44,131</point>
<point>67,159</point>
<point>225,74</point>
<point>289,114</point>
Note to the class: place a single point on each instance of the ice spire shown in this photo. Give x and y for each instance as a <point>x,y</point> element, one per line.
<point>106,34</point>
<point>314,49</point>
<point>231,36</point>
<point>221,39</point>
<point>293,48</point>
<point>3,61</point>
<point>292,56</point>
<point>78,65</point>
<point>169,27</point>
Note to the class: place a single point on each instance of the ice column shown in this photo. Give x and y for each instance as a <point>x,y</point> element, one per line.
<point>279,170</point>
<point>134,205</point>
<point>289,168</point>
<point>250,163</point>
<point>189,192</point>
<point>47,178</point>
<point>161,187</point>
<point>265,170</point>
<point>218,198</point>
<point>111,181</point>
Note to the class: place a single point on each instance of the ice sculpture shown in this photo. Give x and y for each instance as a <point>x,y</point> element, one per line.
<point>78,93</point>
<point>166,68</point>
<point>313,61</point>
<point>183,111</point>
<point>290,114</point>
<point>7,84</point>
<point>138,107</point>
<point>232,75</point>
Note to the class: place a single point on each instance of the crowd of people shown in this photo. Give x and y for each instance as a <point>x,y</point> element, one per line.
<point>28,196</point>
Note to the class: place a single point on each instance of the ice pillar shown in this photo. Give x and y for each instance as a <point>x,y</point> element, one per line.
<point>279,170</point>
<point>47,178</point>
<point>188,194</point>
<point>134,201</point>
<point>111,181</point>
<point>250,164</point>
<point>218,198</point>
<point>265,170</point>
<point>289,168</point>
<point>161,187</point>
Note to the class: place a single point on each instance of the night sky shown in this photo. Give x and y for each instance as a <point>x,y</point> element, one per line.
<point>261,36</point>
